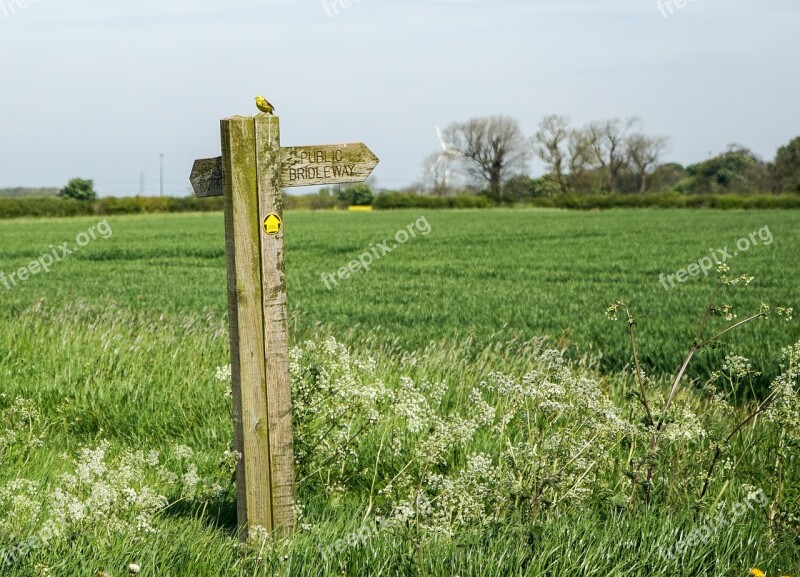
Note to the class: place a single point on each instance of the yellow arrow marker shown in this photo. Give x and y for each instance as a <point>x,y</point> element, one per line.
<point>273,224</point>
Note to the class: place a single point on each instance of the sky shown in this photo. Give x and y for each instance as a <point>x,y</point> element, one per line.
<point>100,88</point>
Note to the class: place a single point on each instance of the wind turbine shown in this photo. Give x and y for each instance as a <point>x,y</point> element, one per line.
<point>447,155</point>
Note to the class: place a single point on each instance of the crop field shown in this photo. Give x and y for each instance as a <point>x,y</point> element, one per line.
<point>420,451</point>
<point>475,274</point>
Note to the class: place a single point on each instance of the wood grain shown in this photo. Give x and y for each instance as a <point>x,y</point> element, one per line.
<point>207,178</point>
<point>253,477</point>
<point>326,164</point>
<point>276,340</point>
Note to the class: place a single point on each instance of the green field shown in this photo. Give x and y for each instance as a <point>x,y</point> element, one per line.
<point>120,343</point>
<point>477,274</point>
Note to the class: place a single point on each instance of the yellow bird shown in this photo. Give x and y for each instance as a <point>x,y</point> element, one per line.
<point>264,105</point>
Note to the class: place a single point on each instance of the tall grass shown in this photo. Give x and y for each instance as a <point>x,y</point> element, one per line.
<point>147,381</point>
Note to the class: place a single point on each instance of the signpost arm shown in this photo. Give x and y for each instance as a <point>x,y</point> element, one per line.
<point>276,345</point>
<point>248,367</point>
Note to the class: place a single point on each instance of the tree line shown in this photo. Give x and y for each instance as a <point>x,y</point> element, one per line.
<point>492,155</point>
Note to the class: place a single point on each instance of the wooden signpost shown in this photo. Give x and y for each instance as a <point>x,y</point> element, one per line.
<point>300,166</point>
<point>250,174</point>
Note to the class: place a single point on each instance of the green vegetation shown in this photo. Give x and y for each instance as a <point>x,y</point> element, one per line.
<point>786,169</point>
<point>406,200</point>
<point>81,189</point>
<point>21,191</point>
<point>359,194</point>
<point>54,207</point>
<point>485,272</point>
<point>528,197</point>
<point>482,451</point>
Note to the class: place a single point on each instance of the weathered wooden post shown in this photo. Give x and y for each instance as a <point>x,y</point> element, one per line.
<point>250,174</point>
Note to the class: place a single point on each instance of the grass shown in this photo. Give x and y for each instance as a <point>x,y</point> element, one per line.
<point>526,272</point>
<point>121,342</point>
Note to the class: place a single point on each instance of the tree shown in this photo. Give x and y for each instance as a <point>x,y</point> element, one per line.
<point>493,149</point>
<point>737,170</point>
<point>519,188</point>
<point>643,153</point>
<point>545,186</point>
<point>435,173</point>
<point>786,168</point>
<point>666,176</point>
<point>582,156</point>
<point>567,153</point>
<point>607,138</point>
<point>550,144</point>
<point>79,189</point>
<point>359,194</point>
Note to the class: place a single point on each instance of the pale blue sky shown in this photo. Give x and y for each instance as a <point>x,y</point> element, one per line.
<point>98,88</point>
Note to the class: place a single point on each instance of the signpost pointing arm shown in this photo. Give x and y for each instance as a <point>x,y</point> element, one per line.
<point>250,174</point>
<point>300,166</point>
<point>327,164</point>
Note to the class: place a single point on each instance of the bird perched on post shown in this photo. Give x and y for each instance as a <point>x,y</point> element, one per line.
<point>264,105</point>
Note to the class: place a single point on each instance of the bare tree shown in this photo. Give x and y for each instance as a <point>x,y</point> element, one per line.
<point>435,174</point>
<point>551,143</point>
<point>582,156</point>
<point>643,153</point>
<point>493,148</point>
<point>608,141</point>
